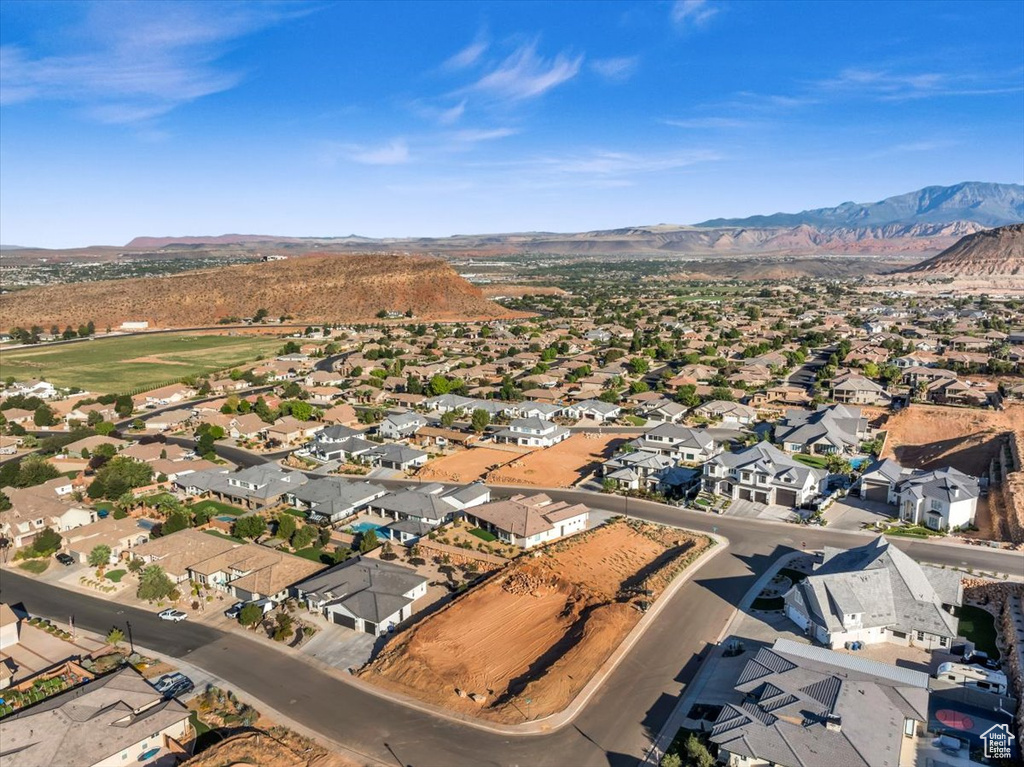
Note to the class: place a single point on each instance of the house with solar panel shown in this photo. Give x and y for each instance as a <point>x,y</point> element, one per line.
<point>805,706</point>
<point>876,593</point>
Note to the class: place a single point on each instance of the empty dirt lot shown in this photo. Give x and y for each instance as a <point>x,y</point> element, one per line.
<point>540,628</point>
<point>563,465</point>
<point>465,465</point>
<point>931,436</point>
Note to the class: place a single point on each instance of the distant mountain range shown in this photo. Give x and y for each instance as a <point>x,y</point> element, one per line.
<point>978,202</point>
<point>992,253</point>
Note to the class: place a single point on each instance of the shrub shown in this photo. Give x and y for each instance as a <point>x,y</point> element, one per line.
<point>154,584</point>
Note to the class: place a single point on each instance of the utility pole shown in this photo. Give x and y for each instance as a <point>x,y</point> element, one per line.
<point>131,642</point>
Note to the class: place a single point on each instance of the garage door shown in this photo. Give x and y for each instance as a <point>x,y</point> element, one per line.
<point>344,620</point>
<point>744,494</point>
<point>370,628</point>
<point>785,497</point>
<point>875,493</point>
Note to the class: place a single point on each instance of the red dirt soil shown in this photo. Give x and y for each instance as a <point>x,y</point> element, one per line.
<point>540,628</point>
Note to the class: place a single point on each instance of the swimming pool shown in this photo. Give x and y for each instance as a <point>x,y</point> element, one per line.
<point>857,463</point>
<point>364,527</point>
<point>225,518</point>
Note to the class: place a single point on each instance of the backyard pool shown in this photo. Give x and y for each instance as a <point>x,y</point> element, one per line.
<point>857,463</point>
<point>146,524</point>
<point>225,518</point>
<point>364,527</point>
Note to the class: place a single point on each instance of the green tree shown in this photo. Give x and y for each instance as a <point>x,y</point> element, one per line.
<point>124,406</point>
<point>368,541</point>
<point>284,627</point>
<point>837,464</point>
<point>285,527</point>
<point>154,584</point>
<point>303,537</point>
<point>481,419</point>
<point>252,526</point>
<point>5,502</point>
<point>44,416</point>
<point>33,471</point>
<point>448,419</point>
<point>697,754</point>
<point>176,520</point>
<point>121,474</point>
<point>47,541</point>
<point>250,615</point>
<point>439,385</point>
<point>671,759</point>
<point>301,411</point>
<point>105,428</point>
<point>99,556</point>
<point>115,636</point>
<point>639,365</point>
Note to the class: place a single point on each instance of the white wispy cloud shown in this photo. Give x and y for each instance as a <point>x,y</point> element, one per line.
<point>618,69</point>
<point>472,136</point>
<point>142,59</point>
<point>395,152</point>
<point>468,56</point>
<point>914,147</point>
<point>692,13</point>
<point>887,85</point>
<point>710,123</point>
<point>524,74</point>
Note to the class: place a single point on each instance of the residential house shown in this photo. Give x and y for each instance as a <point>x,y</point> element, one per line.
<point>876,593</point>
<point>289,429</point>
<point>858,390</point>
<point>534,409</point>
<point>804,706</point>
<point>367,595</point>
<point>33,509</point>
<point>831,429</point>
<point>727,412</point>
<point>663,411</point>
<point>248,426</point>
<point>681,443</point>
<point>528,521</point>
<point>332,499</point>
<point>339,443</point>
<point>940,499</point>
<point>533,432</point>
<point>635,469</point>
<point>165,395</point>
<point>593,410</point>
<point>116,719</point>
<point>256,487</point>
<point>398,457</point>
<point>397,426</point>
<point>764,474</point>
<point>119,535</point>
<point>416,511</point>
<point>252,573</point>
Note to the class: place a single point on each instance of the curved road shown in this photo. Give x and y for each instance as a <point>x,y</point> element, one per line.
<point>615,726</point>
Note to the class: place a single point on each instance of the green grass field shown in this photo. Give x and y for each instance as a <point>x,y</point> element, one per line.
<point>980,627</point>
<point>124,364</point>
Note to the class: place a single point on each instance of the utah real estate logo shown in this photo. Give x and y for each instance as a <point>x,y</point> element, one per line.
<point>998,742</point>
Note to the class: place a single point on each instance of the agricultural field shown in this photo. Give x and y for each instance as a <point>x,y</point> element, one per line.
<point>525,643</point>
<point>115,365</point>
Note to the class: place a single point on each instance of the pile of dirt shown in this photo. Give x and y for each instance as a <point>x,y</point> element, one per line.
<point>320,288</point>
<point>932,436</point>
<point>277,747</point>
<point>522,645</point>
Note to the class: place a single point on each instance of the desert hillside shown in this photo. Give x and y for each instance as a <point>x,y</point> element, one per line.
<point>320,288</point>
<point>994,252</point>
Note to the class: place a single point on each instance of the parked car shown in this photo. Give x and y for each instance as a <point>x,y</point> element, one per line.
<point>181,687</point>
<point>65,559</point>
<point>167,681</point>
<point>234,610</point>
<point>172,615</point>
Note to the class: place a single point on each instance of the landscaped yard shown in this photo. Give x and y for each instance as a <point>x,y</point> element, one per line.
<point>814,461</point>
<point>979,626</point>
<point>127,363</point>
<point>214,508</point>
<point>115,575</point>
<point>35,566</point>
<point>912,531</point>
<point>225,536</point>
<point>483,534</point>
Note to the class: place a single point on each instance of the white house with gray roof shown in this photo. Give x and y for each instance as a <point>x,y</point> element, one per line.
<point>331,499</point>
<point>876,593</point>
<point>367,595</point>
<point>533,432</point>
<point>681,443</point>
<point>829,429</point>
<point>400,425</point>
<point>803,706</point>
<point>335,443</point>
<point>940,499</point>
<point>764,474</point>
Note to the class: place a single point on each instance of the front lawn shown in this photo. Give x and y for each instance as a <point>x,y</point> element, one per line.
<point>115,575</point>
<point>913,531</point>
<point>979,626</point>
<point>35,566</point>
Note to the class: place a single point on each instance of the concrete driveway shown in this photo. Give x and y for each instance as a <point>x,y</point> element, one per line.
<point>339,646</point>
<point>854,513</point>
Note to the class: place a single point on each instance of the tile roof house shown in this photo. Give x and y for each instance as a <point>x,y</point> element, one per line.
<point>804,706</point>
<point>115,719</point>
<point>764,474</point>
<point>367,595</point>
<point>829,429</point>
<point>876,593</point>
<point>35,508</point>
<point>528,521</point>
<point>728,412</point>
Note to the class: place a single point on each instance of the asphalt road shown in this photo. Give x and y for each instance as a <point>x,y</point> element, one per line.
<point>612,729</point>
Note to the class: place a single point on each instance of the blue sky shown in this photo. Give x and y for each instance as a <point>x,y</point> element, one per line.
<point>398,119</point>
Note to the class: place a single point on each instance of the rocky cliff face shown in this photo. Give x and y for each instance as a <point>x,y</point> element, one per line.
<point>994,252</point>
<point>321,288</point>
